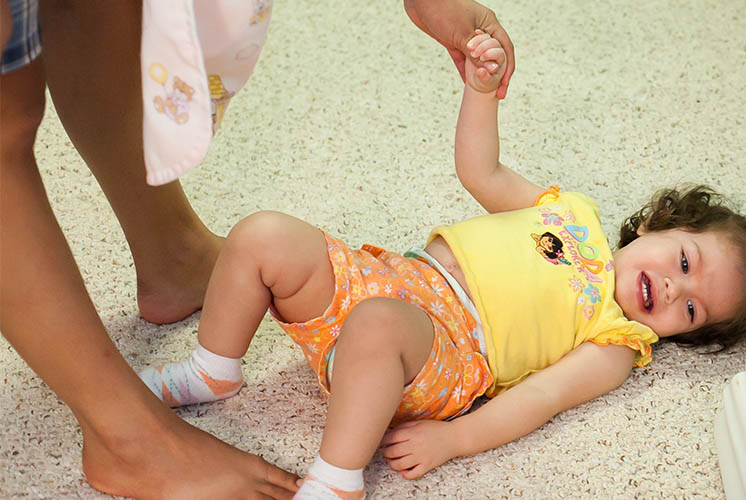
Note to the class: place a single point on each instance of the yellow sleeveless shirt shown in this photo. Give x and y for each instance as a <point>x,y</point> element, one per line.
<point>542,281</point>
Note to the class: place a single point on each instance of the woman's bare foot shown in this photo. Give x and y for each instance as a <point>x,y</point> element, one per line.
<point>181,462</point>
<point>175,287</point>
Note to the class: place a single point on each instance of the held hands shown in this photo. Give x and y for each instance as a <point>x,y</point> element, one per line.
<point>487,50</point>
<point>413,448</point>
<point>452,23</point>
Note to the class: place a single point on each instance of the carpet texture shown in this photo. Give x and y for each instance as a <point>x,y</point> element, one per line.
<point>348,123</point>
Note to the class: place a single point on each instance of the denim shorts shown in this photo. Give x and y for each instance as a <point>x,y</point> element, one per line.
<point>24,44</point>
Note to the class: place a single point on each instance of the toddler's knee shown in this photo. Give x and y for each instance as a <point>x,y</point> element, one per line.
<point>260,229</point>
<point>375,323</point>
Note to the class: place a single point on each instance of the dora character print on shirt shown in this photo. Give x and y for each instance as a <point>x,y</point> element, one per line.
<point>572,247</point>
<point>550,247</point>
<point>174,104</point>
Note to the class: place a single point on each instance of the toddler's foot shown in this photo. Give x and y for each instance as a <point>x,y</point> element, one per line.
<point>313,489</point>
<point>328,482</point>
<point>204,377</point>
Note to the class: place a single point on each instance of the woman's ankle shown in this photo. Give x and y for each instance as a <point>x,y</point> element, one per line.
<point>172,285</point>
<point>113,457</point>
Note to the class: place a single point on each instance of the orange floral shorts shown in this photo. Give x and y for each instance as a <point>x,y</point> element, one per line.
<point>454,375</point>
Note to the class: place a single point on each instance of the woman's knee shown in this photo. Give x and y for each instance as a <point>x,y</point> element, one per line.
<point>6,24</point>
<point>21,108</point>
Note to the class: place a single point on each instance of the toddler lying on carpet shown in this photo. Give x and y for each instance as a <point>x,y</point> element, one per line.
<point>527,305</point>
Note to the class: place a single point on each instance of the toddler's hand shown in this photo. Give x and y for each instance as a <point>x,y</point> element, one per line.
<point>487,77</point>
<point>415,447</point>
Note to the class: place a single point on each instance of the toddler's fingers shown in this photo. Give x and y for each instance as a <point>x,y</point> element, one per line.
<point>395,435</point>
<point>491,66</point>
<point>403,463</point>
<point>478,39</point>
<point>494,54</point>
<point>395,451</point>
<point>414,472</point>
<point>395,465</point>
<point>483,75</point>
<point>483,46</point>
<point>471,43</point>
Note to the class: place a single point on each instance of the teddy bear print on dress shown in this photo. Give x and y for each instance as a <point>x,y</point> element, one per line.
<point>174,104</point>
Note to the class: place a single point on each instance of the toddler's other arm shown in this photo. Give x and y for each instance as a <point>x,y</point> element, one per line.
<point>585,373</point>
<point>496,187</point>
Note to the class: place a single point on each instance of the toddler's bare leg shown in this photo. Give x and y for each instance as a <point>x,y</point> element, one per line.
<point>382,347</point>
<point>268,257</point>
<point>92,57</point>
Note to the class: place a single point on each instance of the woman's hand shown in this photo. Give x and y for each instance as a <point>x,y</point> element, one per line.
<point>413,448</point>
<point>452,24</point>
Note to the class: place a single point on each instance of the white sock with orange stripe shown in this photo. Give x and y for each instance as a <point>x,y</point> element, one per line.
<point>206,376</point>
<point>328,482</point>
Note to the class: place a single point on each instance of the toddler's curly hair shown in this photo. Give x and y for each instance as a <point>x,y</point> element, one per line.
<point>696,209</point>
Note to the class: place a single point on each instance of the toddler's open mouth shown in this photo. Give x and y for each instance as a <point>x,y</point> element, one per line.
<point>646,289</point>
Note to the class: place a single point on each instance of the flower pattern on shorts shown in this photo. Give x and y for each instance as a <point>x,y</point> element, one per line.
<point>455,373</point>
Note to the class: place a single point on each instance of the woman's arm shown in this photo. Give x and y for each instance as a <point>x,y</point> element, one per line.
<point>583,374</point>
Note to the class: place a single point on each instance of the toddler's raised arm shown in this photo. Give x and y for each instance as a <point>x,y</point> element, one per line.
<point>496,187</point>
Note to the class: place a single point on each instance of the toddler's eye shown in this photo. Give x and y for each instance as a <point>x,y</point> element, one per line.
<point>684,263</point>
<point>690,310</point>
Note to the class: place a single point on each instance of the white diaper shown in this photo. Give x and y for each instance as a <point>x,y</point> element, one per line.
<point>196,54</point>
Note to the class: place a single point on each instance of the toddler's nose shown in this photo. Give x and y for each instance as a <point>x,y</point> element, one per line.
<point>670,290</point>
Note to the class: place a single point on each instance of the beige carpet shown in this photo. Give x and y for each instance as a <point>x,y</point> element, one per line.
<point>348,122</point>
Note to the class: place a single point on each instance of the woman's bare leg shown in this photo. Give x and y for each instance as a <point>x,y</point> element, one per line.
<point>92,59</point>
<point>132,445</point>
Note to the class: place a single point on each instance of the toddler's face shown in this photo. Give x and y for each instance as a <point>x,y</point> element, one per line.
<point>547,243</point>
<point>675,281</point>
